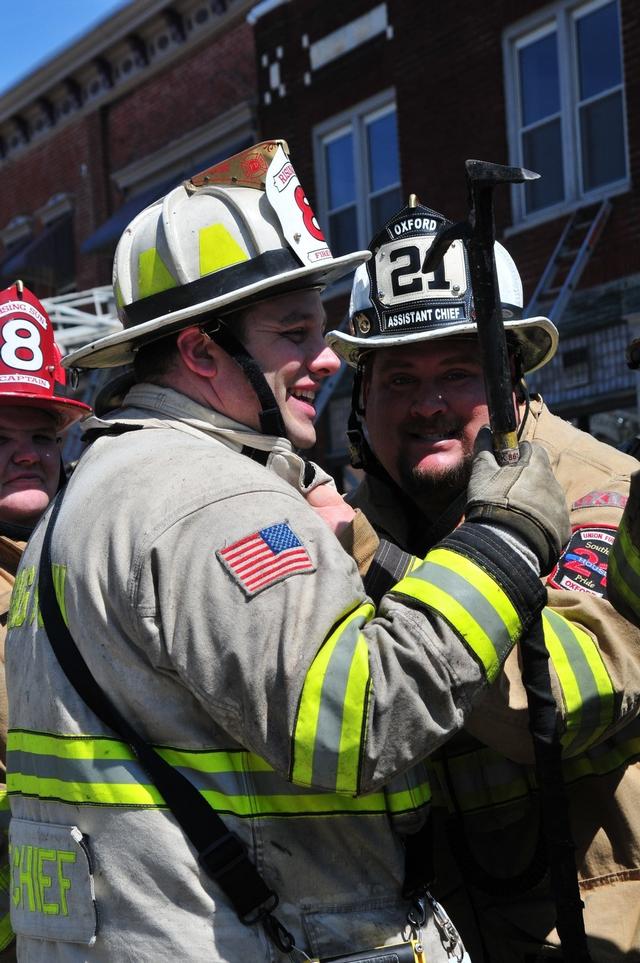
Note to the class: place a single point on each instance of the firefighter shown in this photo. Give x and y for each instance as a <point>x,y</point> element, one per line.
<point>419,401</point>
<point>33,414</point>
<point>225,625</point>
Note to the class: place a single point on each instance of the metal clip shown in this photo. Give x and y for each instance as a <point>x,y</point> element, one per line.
<point>449,936</point>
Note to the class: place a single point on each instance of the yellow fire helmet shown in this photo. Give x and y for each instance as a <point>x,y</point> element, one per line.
<point>241,231</point>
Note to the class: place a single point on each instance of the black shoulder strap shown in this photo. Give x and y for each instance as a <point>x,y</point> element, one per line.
<point>221,853</point>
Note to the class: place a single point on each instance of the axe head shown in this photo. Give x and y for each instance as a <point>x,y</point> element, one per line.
<point>485,174</point>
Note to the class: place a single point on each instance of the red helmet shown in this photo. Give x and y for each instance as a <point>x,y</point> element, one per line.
<point>30,366</point>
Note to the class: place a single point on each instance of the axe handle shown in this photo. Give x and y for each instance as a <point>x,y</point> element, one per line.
<point>493,345</point>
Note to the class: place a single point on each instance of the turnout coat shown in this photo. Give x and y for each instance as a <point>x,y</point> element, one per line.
<point>485,807</point>
<point>225,620</point>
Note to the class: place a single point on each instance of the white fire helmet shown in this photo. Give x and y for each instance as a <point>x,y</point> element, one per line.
<point>393,302</point>
<point>240,232</point>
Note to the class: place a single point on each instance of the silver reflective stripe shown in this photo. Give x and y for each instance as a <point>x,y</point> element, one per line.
<point>482,779</point>
<point>468,596</point>
<point>326,755</point>
<point>590,696</point>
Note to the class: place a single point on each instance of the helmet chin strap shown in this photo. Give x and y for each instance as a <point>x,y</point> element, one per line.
<point>271,421</point>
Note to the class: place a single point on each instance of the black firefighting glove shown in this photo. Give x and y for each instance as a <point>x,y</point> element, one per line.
<point>524,498</point>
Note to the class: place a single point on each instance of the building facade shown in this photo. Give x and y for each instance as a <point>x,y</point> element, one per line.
<point>381,99</point>
<point>376,100</point>
<point>156,93</point>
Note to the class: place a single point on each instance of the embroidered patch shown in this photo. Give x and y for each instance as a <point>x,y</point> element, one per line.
<point>596,499</point>
<point>582,567</point>
<point>262,558</point>
<point>51,883</point>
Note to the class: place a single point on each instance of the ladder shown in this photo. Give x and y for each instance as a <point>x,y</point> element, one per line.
<point>568,260</point>
<point>82,316</point>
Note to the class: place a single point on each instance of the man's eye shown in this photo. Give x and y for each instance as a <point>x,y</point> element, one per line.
<point>459,375</point>
<point>401,379</point>
<point>296,334</point>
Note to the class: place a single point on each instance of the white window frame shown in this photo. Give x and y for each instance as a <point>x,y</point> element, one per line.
<point>560,18</point>
<point>352,121</point>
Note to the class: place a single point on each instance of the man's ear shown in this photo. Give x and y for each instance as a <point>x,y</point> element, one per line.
<point>198,352</point>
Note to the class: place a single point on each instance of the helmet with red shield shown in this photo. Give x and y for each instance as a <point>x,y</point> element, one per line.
<point>33,411</point>
<point>30,370</point>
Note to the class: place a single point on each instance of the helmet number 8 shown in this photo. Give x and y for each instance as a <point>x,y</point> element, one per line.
<point>21,345</point>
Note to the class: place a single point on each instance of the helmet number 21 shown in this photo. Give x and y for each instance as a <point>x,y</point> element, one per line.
<point>400,275</point>
<point>21,345</point>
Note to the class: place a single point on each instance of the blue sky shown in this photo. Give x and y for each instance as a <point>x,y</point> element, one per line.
<point>34,30</point>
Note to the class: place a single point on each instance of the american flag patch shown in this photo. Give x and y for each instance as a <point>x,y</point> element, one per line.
<point>270,555</point>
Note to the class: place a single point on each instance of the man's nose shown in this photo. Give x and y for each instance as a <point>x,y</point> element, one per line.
<point>428,401</point>
<point>26,453</point>
<point>324,361</point>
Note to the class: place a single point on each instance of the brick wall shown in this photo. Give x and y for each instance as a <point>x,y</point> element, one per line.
<point>79,159</point>
<point>194,89</point>
<point>445,62</point>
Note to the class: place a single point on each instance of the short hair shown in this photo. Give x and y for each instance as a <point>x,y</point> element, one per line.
<point>156,359</point>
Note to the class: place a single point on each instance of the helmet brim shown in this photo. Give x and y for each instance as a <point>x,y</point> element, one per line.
<point>66,410</point>
<point>120,348</point>
<point>537,338</point>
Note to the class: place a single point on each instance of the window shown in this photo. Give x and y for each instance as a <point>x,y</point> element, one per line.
<point>358,173</point>
<point>565,99</point>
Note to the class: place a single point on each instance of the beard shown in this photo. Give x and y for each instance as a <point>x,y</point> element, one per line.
<point>435,488</point>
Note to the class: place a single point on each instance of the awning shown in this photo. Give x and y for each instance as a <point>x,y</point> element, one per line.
<point>17,248</point>
<point>48,260</point>
<point>108,234</point>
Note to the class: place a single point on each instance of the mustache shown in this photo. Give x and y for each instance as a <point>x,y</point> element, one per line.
<point>432,426</point>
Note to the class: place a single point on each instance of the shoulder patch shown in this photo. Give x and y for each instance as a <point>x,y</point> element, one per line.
<point>264,557</point>
<point>582,567</point>
<point>597,499</point>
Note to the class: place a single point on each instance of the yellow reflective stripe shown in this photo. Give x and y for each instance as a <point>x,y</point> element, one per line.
<point>6,933</point>
<point>603,759</point>
<point>88,793</point>
<point>20,597</point>
<point>354,719</point>
<point>483,779</point>
<point>333,709</point>
<point>623,576</point>
<point>218,249</point>
<point>487,621</point>
<point>117,292</point>
<point>51,767</point>
<point>407,798</point>
<point>586,685</point>
<point>67,747</point>
<point>153,274</point>
<point>480,781</point>
<point>566,676</point>
<point>59,577</point>
<point>4,800</point>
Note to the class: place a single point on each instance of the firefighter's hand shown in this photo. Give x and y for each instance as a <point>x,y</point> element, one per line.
<point>327,502</point>
<point>525,498</point>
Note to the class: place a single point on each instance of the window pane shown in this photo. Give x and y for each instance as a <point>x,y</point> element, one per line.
<point>384,168</point>
<point>542,153</point>
<point>383,206</point>
<point>341,187</point>
<point>343,232</point>
<point>599,63</point>
<point>539,86</point>
<point>602,137</point>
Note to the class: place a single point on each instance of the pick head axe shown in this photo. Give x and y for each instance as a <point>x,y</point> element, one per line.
<point>478,234</point>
